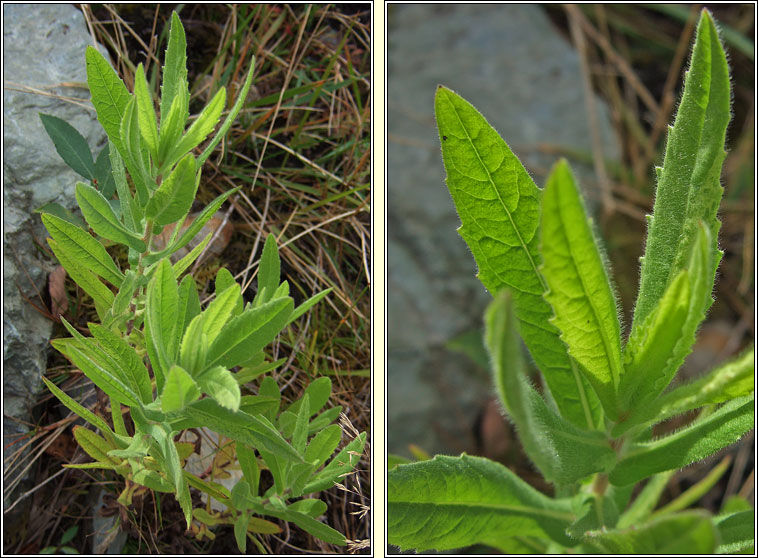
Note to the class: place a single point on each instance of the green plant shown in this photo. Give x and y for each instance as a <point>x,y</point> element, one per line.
<point>590,432</point>
<point>166,364</point>
<point>63,547</point>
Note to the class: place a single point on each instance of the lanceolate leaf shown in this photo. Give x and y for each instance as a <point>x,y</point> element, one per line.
<point>253,431</point>
<point>453,502</point>
<point>323,445</point>
<point>579,288</point>
<point>249,332</point>
<point>269,269</point>
<point>172,125</point>
<point>99,215</point>
<point>193,229</point>
<point>199,130</point>
<point>561,451</point>
<point>130,211</point>
<point>231,117</point>
<point>697,441</point>
<point>498,204</point>
<point>691,532</point>
<point>70,145</point>
<point>729,381</point>
<point>175,67</point>
<point>83,412</point>
<point>109,95</point>
<point>657,348</point>
<point>104,173</point>
<point>688,186</point>
<point>126,360</point>
<point>160,319</point>
<point>736,532</point>
<point>220,311</point>
<point>173,199</point>
<point>145,111</point>
<point>79,245</point>
<point>88,281</point>
<point>249,466</point>
<point>312,526</point>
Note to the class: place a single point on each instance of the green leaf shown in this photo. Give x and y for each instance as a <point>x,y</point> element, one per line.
<point>88,281</point>
<point>109,95</point>
<point>693,443</point>
<point>249,332</point>
<point>173,125</point>
<point>94,445</point>
<point>70,145</point>
<point>218,313</point>
<point>108,381</point>
<point>175,68</point>
<point>323,444</point>
<point>182,265</point>
<point>309,506</point>
<point>249,465</point>
<point>83,412</point>
<point>579,287</point>
<point>131,212</point>
<point>308,304</point>
<point>146,111</point>
<point>657,349</point>
<point>232,116</point>
<point>192,230</point>
<point>319,391</point>
<point>61,212</point>
<point>310,525</point>
<point>135,156</point>
<point>561,451</point>
<point>736,532</point>
<point>690,532</point>
<point>104,173</point>
<point>194,347</point>
<point>269,269</point>
<point>688,188</point>
<point>160,319</point>
<point>220,384</point>
<point>344,462</point>
<point>254,431</point>
<point>498,204</point>
<point>99,215</point>
<point>137,448</point>
<point>189,304</point>
<point>200,128</point>
<point>452,502</point>
<point>180,390</point>
<point>224,280</point>
<point>240,531</point>
<point>646,501</point>
<point>173,198</point>
<point>728,381</point>
<point>124,360</point>
<point>300,435</point>
<point>174,470</point>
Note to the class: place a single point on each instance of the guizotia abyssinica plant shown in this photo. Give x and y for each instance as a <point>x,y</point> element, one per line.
<point>163,361</point>
<point>590,433</point>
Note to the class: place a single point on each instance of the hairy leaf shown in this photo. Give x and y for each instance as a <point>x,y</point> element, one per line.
<point>697,441</point>
<point>145,111</point>
<point>579,287</point>
<point>100,216</point>
<point>453,502</point>
<point>498,204</point>
<point>173,198</point>
<point>688,186</point>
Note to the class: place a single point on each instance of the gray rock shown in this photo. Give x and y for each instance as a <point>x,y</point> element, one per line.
<point>514,67</point>
<point>44,47</point>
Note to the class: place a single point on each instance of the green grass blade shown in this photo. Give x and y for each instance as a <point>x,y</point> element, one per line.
<point>498,204</point>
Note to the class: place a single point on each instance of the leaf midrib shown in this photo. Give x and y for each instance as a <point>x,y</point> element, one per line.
<point>500,199</point>
<point>522,510</point>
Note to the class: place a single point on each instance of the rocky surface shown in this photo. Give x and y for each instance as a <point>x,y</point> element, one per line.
<point>44,48</point>
<point>524,77</point>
